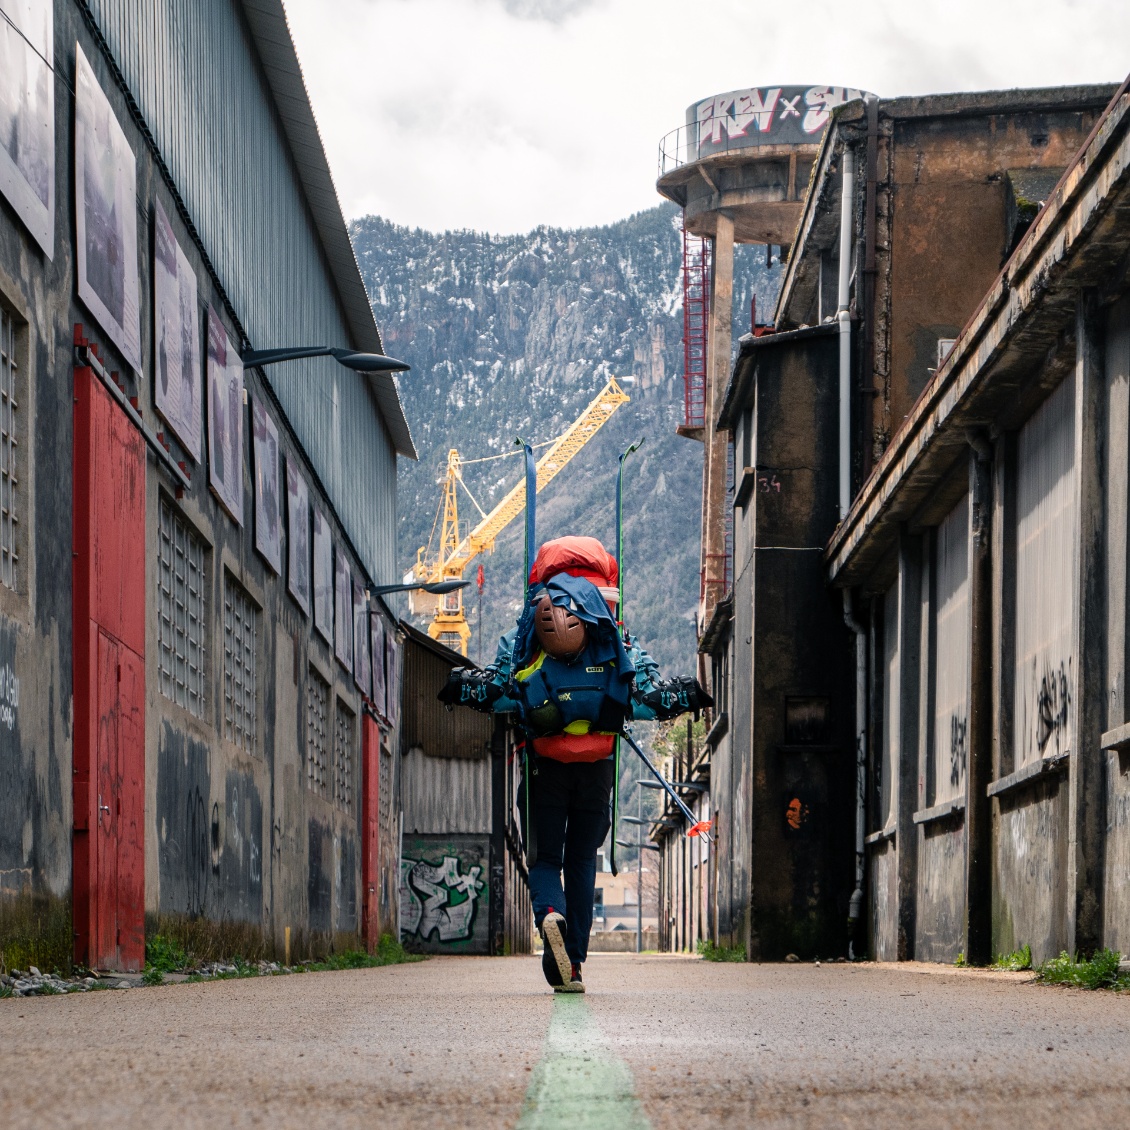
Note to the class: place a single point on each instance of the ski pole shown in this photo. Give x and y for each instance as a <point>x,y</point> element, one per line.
<point>620,524</point>
<point>697,827</point>
<point>623,631</point>
<point>531,507</point>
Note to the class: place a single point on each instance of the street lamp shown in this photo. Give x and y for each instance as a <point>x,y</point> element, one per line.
<point>351,359</point>
<point>437,588</point>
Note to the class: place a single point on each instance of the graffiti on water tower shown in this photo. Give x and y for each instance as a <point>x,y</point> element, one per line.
<point>443,891</point>
<point>760,115</point>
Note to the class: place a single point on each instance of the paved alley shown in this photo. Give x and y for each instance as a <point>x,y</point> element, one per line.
<point>657,1041</point>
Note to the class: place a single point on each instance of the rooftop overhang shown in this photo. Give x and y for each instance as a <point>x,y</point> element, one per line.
<point>1017,345</point>
<point>749,349</point>
<point>764,208</point>
<point>271,33</point>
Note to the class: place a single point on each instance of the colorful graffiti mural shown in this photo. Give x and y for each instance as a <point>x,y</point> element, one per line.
<point>443,894</point>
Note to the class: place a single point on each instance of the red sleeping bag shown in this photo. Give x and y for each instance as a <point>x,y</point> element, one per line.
<point>579,557</point>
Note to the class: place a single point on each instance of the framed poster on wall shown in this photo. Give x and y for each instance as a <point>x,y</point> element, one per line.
<point>27,116</point>
<point>323,578</point>
<point>225,419</point>
<point>176,337</point>
<point>343,612</point>
<point>377,647</point>
<point>268,516</point>
<point>298,542</point>
<point>392,677</point>
<point>362,673</point>
<point>106,211</point>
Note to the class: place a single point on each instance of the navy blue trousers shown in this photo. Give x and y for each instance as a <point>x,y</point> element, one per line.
<point>572,812</point>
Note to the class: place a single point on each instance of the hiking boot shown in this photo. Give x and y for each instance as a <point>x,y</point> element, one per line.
<point>574,984</point>
<point>554,960</point>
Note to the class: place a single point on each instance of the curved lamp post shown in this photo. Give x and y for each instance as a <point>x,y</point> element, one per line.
<point>438,588</point>
<point>359,362</point>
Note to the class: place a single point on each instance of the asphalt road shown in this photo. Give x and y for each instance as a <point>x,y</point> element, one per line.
<point>657,1041</point>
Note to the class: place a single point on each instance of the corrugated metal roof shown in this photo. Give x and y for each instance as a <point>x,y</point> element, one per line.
<point>273,41</point>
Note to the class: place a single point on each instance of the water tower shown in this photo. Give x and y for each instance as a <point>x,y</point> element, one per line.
<point>739,169</point>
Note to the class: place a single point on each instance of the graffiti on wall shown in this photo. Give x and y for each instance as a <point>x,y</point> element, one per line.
<point>791,114</point>
<point>9,696</point>
<point>443,893</point>
<point>959,742</point>
<point>1053,703</point>
<point>439,899</point>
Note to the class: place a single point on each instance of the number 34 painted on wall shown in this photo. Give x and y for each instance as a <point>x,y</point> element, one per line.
<point>768,483</point>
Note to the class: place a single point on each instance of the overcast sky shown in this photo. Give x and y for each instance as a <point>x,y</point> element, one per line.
<point>500,115</point>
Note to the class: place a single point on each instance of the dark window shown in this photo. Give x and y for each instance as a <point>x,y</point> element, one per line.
<point>180,611</point>
<point>806,721</point>
<point>9,479</point>
<point>240,664</point>
<point>317,732</point>
<point>343,756</point>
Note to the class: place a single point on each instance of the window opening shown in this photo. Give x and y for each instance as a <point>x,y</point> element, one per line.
<point>9,480</point>
<point>343,756</point>
<point>180,611</point>
<point>317,732</point>
<point>240,629</point>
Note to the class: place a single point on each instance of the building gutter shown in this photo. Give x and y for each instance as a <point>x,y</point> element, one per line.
<point>843,320</point>
<point>855,904</point>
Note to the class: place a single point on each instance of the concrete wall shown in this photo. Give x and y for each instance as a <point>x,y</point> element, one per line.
<point>787,846</point>
<point>237,846</point>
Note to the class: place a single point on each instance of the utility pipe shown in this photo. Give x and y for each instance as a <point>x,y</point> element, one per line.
<point>843,319</point>
<point>855,905</point>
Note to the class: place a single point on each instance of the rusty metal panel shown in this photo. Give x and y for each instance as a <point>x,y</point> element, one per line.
<point>445,794</point>
<point>427,724</point>
<point>1043,720</point>
<point>952,642</point>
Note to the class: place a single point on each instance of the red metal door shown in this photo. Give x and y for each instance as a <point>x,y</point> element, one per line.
<point>370,829</point>
<point>109,681</point>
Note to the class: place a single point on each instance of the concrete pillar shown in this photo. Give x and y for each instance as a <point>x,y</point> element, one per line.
<point>978,941</point>
<point>1086,794</point>
<point>716,443</point>
<point>906,774</point>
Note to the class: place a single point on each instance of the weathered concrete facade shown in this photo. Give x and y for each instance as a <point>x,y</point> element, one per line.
<point>245,815</point>
<point>942,191</point>
<point>463,885</point>
<point>783,837</point>
<point>990,545</point>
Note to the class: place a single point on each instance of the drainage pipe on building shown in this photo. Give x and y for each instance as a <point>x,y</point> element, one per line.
<point>855,904</point>
<point>843,319</point>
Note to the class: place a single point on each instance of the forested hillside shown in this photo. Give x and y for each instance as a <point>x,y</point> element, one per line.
<point>513,335</point>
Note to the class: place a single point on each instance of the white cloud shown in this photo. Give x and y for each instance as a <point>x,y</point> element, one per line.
<point>504,114</point>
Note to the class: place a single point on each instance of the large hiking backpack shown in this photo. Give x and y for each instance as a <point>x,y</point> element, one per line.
<point>572,702</point>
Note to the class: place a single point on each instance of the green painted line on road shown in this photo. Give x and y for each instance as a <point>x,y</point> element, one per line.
<point>579,1082</point>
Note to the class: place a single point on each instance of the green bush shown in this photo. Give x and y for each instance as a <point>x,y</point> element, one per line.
<point>710,952</point>
<point>1100,972</point>
<point>389,952</point>
<point>1016,961</point>
<point>163,955</point>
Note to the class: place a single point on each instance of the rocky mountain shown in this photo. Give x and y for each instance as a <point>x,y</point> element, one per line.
<point>514,335</point>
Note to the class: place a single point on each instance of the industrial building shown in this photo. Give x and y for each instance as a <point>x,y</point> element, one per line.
<point>839,814</point>
<point>200,682</point>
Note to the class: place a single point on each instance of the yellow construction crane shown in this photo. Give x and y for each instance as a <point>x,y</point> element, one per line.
<point>455,552</point>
